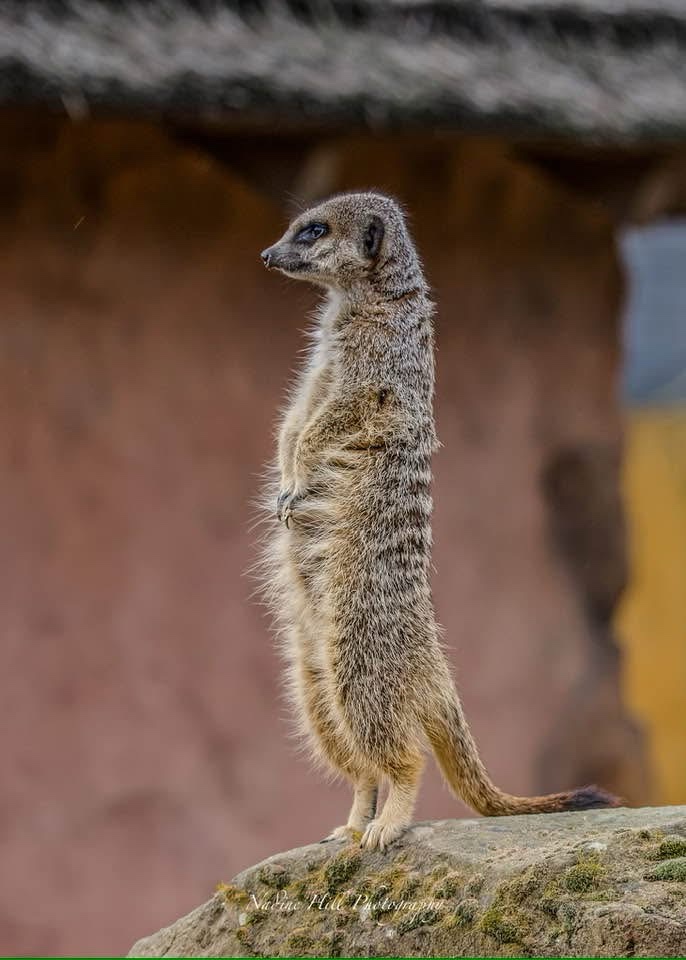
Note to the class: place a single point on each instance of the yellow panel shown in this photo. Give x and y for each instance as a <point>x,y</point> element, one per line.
<point>652,616</point>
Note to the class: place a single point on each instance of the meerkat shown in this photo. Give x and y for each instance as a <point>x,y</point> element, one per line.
<point>349,557</point>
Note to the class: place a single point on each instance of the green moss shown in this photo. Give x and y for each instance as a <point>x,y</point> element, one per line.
<point>355,896</point>
<point>380,907</point>
<point>671,847</point>
<point>256,916</point>
<point>333,945</point>
<point>422,918</point>
<point>669,870</point>
<point>389,879</point>
<point>449,887</point>
<point>588,874</point>
<point>392,883</point>
<point>300,940</point>
<point>340,869</point>
<point>465,912</point>
<point>300,890</point>
<point>586,880</point>
<point>244,939</point>
<point>568,914</point>
<point>274,876</point>
<point>474,886</point>
<point>524,886</point>
<point>499,925</point>
<point>409,887</point>
<point>364,888</point>
<point>385,891</point>
<point>382,902</point>
<point>604,895</point>
<point>550,898</point>
<point>232,894</point>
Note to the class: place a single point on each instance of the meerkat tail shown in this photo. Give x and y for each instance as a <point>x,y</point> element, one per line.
<point>458,758</point>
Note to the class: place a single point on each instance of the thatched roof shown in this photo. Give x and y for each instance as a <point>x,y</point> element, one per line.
<point>608,70</point>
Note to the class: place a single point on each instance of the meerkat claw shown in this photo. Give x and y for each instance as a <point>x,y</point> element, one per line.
<point>289,502</point>
<point>281,502</point>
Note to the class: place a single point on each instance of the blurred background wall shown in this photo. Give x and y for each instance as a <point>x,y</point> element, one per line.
<point>144,352</point>
<point>652,616</point>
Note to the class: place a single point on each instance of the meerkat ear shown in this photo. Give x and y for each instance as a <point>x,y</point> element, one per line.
<point>373,237</point>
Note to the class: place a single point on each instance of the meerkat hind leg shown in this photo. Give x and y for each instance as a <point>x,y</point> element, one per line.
<point>314,697</point>
<point>362,811</point>
<point>396,815</point>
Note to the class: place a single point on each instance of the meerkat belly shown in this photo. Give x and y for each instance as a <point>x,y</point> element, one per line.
<point>361,536</point>
<point>367,528</point>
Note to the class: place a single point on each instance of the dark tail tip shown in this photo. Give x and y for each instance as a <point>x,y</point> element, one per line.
<point>588,798</point>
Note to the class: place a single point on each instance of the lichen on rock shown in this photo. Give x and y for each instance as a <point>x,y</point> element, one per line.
<point>598,883</point>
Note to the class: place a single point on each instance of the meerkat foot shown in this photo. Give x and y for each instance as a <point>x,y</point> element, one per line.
<point>343,833</point>
<point>361,813</point>
<point>380,834</point>
<point>396,815</point>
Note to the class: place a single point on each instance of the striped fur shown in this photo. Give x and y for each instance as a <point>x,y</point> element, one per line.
<point>348,564</point>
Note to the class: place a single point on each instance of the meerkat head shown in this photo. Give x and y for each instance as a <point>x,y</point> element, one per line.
<point>343,241</point>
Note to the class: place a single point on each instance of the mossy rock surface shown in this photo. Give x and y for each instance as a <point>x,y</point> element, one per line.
<point>604,883</point>
<point>669,870</point>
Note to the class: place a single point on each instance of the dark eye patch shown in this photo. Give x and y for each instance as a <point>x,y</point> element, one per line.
<point>311,233</point>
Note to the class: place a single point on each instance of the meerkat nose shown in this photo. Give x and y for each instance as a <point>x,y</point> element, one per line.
<point>266,256</point>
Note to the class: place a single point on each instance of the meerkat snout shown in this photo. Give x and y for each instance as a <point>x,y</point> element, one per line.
<point>286,256</point>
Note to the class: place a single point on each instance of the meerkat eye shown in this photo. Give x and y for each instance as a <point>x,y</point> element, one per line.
<point>311,233</point>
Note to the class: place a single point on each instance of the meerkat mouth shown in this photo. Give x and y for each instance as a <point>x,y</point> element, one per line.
<point>295,266</point>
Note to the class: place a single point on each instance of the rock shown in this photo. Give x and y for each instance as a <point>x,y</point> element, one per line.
<point>604,883</point>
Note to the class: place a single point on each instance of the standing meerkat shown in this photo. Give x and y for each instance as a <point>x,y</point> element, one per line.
<point>349,562</point>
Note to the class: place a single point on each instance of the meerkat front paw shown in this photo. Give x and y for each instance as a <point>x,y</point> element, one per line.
<point>281,501</point>
<point>379,835</point>
<point>285,505</point>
